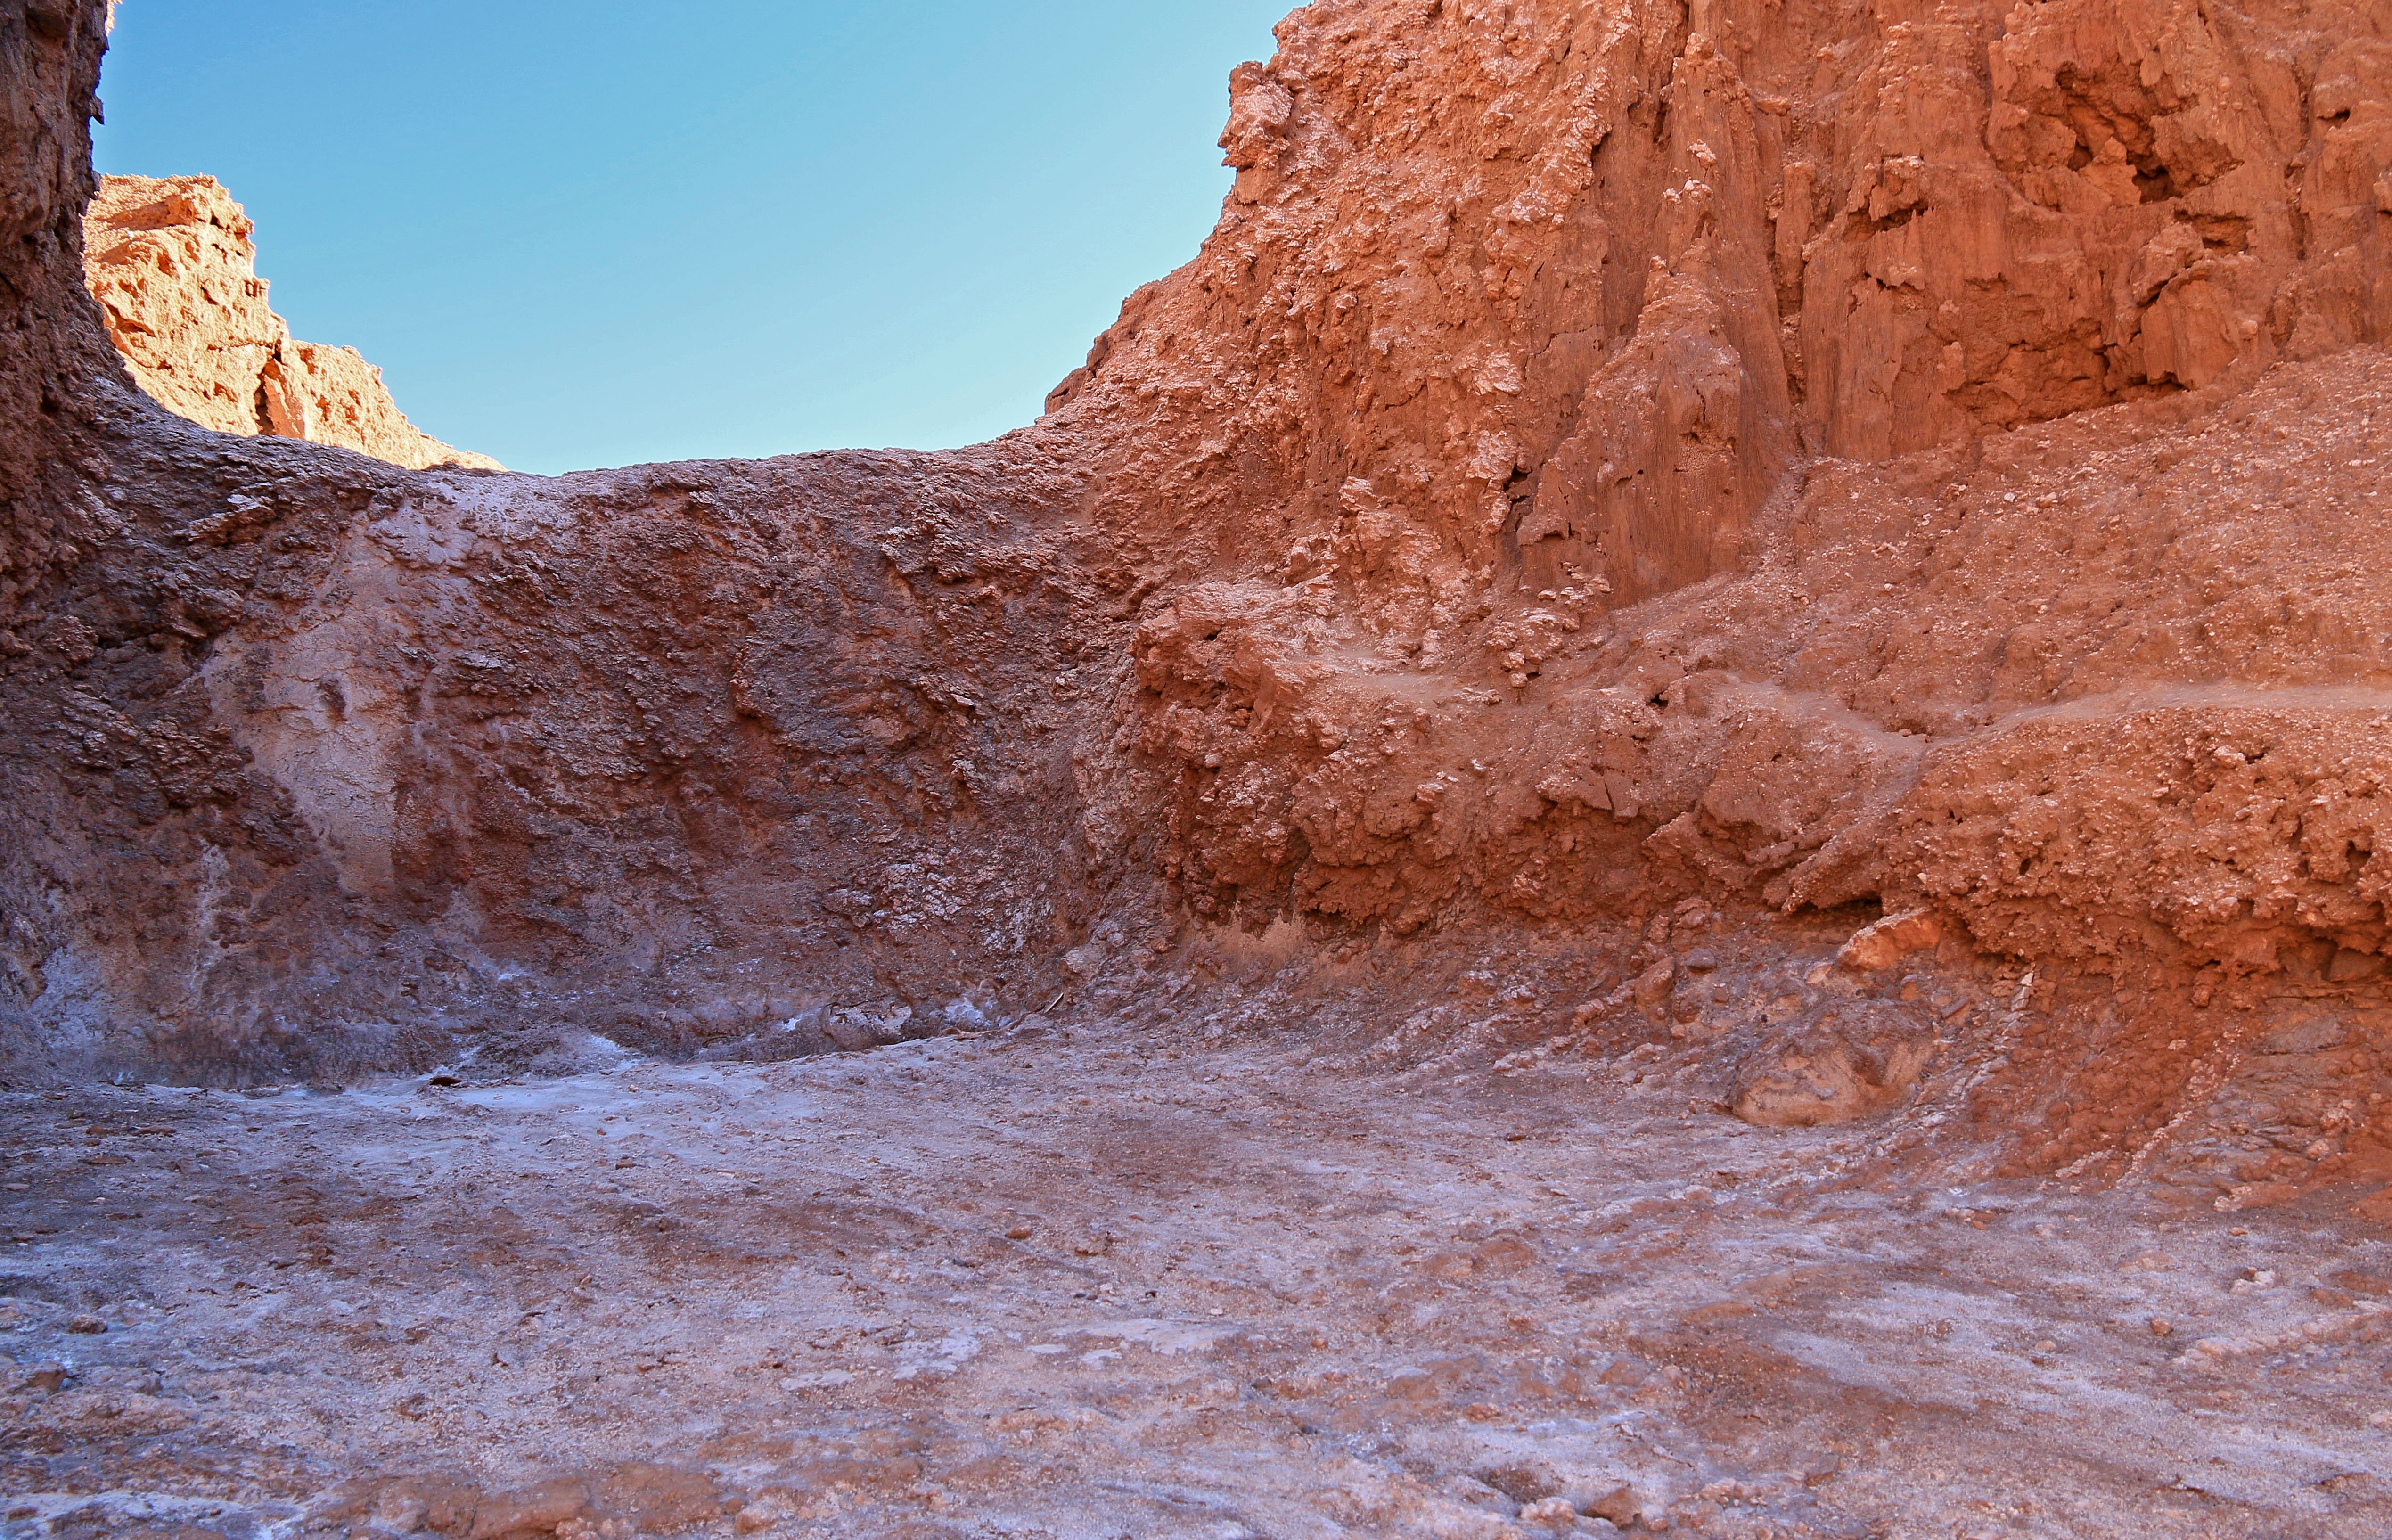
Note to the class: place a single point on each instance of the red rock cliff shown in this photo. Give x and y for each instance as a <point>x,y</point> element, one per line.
<point>1524,316</point>
<point>170,261</point>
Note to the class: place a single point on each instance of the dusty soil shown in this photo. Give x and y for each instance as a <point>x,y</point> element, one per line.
<point>1121,1279</point>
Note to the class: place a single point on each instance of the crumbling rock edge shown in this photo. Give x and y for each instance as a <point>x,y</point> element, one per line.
<point>170,262</point>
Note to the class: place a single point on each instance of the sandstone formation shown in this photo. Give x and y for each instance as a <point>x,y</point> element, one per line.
<point>1522,317</point>
<point>170,261</point>
<point>1608,459</point>
<point>1656,810</point>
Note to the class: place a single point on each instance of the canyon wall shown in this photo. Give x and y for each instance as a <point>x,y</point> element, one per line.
<point>1520,316</point>
<point>171,263</point>
<point>316,763</point>
<point>1911,461</point>
<point>49,351</point>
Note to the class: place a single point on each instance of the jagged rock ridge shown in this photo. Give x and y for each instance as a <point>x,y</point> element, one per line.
<point>172,264</point>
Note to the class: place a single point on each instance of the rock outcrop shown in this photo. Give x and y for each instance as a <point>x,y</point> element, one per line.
<point>1607,458</point>
<point>171,263</point>
<point>1521,315</point>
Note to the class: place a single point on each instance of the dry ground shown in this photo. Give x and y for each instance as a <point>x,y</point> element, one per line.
<point>1095,1281</point>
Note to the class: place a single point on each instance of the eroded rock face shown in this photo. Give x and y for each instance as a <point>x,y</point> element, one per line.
<point>1606,459</point>
<point>1520,316</point>
<point>171,263</point>
<point>49,60</point>
<point>461,756</point>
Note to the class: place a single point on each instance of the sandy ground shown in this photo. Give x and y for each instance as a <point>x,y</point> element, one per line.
<point>1094,1281</point>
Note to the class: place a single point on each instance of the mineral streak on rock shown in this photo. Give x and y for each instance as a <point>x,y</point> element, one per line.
<point>170,261</point>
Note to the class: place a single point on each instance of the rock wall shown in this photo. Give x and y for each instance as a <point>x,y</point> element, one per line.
<point>318,763</point>
<point>171,263</point>
<point>1608,458</point>
<point>1520,316</point>
<point>404,758</point>
<point>50,68</point>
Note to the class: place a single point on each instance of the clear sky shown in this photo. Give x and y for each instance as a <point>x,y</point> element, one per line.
<point>600,233</point>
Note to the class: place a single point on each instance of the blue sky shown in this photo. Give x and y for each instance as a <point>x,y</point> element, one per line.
<point>604,233</point>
